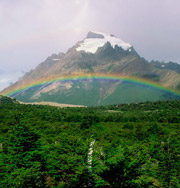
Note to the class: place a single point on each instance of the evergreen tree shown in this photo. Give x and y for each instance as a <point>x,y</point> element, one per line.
<point>20,158</point>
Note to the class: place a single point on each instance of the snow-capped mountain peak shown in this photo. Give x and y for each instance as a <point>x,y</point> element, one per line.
<point>94,40</point>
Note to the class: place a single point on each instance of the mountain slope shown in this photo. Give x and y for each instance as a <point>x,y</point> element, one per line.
<point>169,66</point>
<point>98,53</point>
<point>7,100</point>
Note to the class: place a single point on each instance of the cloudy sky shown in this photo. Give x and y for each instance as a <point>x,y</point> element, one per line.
<point>32,30</point>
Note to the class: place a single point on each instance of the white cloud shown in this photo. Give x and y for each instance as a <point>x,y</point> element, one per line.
<point>32,30</point>
<point>7,78</point>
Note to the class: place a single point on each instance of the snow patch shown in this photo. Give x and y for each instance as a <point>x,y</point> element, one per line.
<point>92,44</point>
<point>55,59</point>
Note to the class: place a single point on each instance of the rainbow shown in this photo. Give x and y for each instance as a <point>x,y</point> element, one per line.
<point>85,77</point>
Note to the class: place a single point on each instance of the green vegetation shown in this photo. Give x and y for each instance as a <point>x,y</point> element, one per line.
<point>128,145</point>
<point>7,100</point>
<point>101,92</point>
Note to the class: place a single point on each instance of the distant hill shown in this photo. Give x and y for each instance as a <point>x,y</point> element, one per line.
<point>7,100</point>
<point>169,66</point>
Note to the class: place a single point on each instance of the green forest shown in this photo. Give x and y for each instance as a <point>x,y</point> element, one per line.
<point>126,145</point>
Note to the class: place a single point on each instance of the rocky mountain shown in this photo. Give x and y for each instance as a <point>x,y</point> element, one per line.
<point>169,66</point>
<point>98,53</point>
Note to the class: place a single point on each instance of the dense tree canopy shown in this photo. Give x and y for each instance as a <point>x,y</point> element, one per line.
<point>134,145</point>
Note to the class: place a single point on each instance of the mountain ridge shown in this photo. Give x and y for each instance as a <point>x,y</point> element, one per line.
<point>113,57</point>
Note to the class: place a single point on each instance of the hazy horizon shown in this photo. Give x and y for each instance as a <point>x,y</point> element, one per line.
<point>33,30</point>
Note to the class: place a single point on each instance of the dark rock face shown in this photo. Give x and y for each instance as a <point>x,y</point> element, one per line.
<point>169,66</point>
<point>112,35</point>
<point>55,57</point>
<point>94,35</point>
